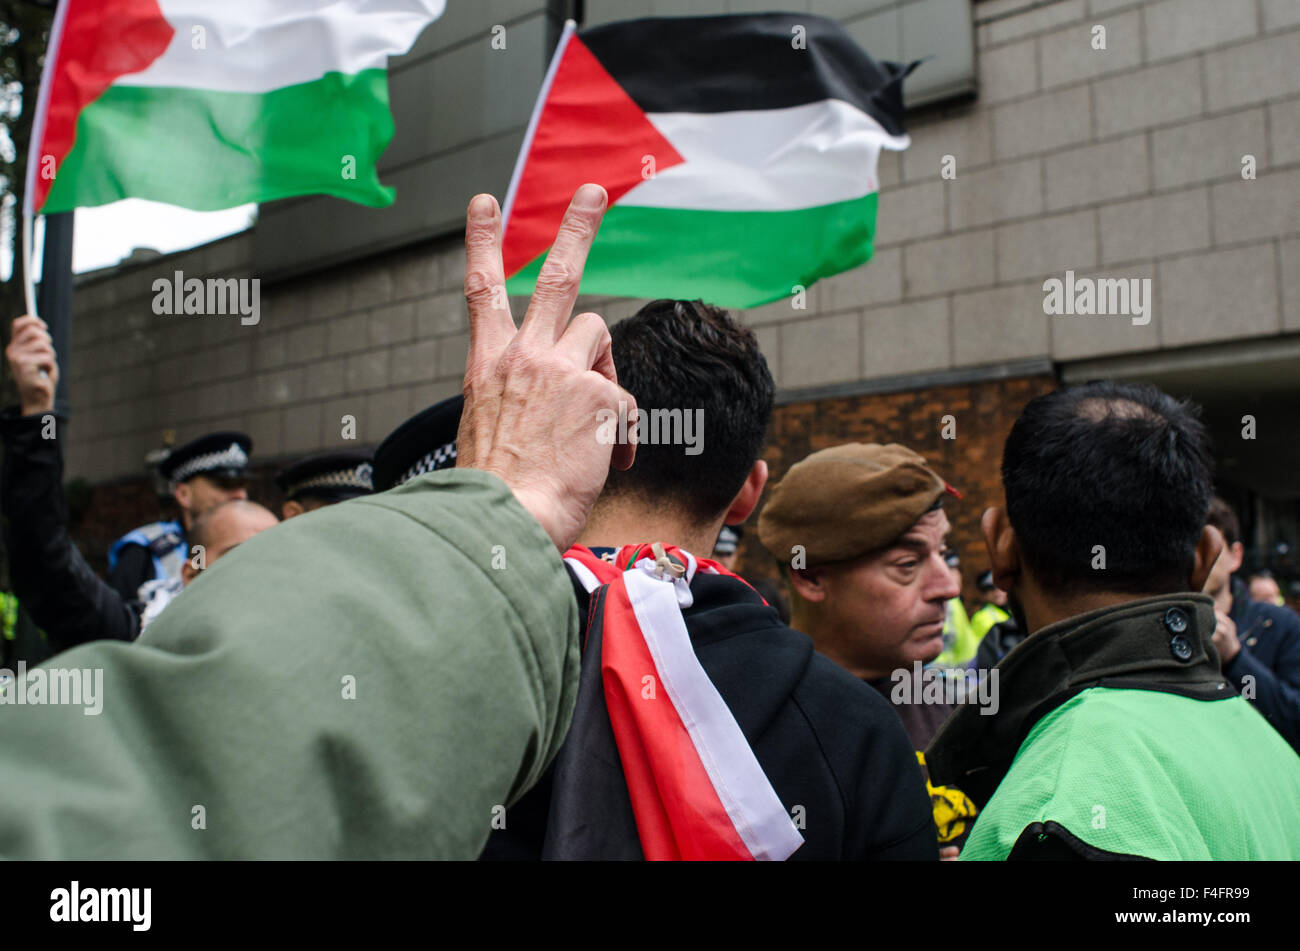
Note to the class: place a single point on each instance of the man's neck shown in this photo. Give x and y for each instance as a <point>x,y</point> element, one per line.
<point>613,525</point>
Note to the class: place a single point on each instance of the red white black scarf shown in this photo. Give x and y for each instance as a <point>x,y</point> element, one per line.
<point>696,788</point>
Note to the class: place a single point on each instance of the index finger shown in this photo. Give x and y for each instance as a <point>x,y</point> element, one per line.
<point>556,290</point>
<point>491,327</point>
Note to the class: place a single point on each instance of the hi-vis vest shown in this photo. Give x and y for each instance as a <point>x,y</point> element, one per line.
<point>1152,774</point>
<point>165,542</point>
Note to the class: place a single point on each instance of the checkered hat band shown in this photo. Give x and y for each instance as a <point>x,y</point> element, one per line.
<point>232,458</point>
<point>437,459</point>
<point>358,478</point>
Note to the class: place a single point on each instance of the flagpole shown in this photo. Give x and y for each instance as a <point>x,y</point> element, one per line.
<point>29,285</point>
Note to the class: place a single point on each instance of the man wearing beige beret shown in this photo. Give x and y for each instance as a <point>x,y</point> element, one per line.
<point>860,530</point>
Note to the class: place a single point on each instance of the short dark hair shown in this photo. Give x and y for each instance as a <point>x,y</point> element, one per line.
<point>692,355</point>
<point>1225,520</point>
<point>1120,465</point>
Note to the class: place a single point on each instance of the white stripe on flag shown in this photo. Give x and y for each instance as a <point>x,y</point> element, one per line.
<point>585,575</point>
<point>760,819</point>
<point>767,159</point>
<point>260,45</point>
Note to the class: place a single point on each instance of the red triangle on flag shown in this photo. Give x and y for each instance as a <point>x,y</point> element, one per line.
<point>101,40</point>
<point>589,130</point>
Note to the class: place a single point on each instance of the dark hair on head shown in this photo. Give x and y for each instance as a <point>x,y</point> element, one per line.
<point>1120,465</point>
<point>690,355</point>
<point>1224,519</point>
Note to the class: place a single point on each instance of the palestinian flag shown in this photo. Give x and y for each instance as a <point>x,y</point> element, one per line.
<point>209,104</point>
<point>739,154</point>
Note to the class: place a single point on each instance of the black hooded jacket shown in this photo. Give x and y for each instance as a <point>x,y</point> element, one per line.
<point>832,747</point>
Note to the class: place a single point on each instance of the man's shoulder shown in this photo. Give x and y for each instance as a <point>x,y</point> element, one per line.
<point>1269,620</point>
<point>1182,769</point>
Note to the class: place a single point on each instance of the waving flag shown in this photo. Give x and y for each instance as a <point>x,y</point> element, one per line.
<point>208,104</point>
<point>739,154</point>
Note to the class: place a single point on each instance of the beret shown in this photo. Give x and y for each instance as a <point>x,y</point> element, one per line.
<point>847,501</point>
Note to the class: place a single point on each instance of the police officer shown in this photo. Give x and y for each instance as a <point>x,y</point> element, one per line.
<point>424,443</point>
<point>994,609</point>
<point>323,480</point>
<point>203,473</point>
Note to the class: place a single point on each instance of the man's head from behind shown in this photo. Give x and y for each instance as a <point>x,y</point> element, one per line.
<point>219,529</point>
<point>860,533</point>
<point>689,363</point>
<point>1107,487</point>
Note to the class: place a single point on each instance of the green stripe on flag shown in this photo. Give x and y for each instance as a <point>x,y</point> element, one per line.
<point>209,150</point>
<point>728,258</point>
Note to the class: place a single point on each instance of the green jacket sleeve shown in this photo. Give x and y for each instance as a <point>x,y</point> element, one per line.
<point>379,678</point>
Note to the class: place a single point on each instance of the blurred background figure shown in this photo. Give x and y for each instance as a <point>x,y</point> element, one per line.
<point>993,610</point>
<point>202,474</point>
<point>1258,643</point>
<point>1263,587</point>
<point>323,480</point>
<point>727,547</point>
<point>959,640</point>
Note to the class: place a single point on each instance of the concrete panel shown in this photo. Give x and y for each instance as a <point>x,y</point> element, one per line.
<point>990,195</point>
<point>1155,227</point>
<point>1218,296</point>
<point>909,338</point>
<point>1068,55</point>
<point>1097,173</point>
<point>821,350</point>
<point>993,326</point>
<point>1149,97</point>
<point>1209,149</point>
<point>1045,247</point>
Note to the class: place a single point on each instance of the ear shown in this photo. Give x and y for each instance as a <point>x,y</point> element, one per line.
<point>808,583</point>
<point>1003,548</point>
<point>1235,554</point>
<point>743,504</point>
<point>289,509</point>
<point>184,495</point>
<point>1208,550</point>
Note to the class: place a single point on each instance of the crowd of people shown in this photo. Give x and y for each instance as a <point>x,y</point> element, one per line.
<point>500,637</point>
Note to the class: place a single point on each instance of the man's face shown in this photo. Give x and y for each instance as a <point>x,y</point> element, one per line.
<point>896,598</point>
<point>201,493</point>
<point>1265,589</point>
<point>996,596</point>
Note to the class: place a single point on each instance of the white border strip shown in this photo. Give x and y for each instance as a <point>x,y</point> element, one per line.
<point>585,574</point>
<point>42,103</point>
<point>755,810</point>
<point>569,29</point>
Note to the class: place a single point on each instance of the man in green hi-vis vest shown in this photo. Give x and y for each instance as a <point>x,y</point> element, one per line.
<point>1116,736</point>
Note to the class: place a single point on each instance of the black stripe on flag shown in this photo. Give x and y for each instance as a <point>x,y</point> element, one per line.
<point>730,63</point>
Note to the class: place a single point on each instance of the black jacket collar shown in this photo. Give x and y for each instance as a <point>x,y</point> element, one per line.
<point>1161,643</point>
